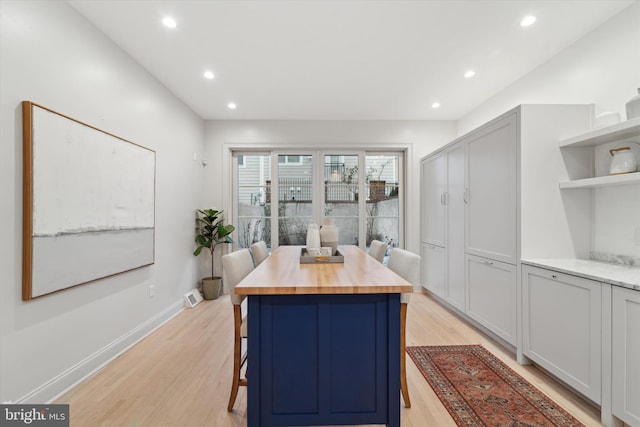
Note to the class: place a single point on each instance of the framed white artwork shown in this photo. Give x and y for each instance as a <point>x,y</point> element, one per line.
<point>88,203</point>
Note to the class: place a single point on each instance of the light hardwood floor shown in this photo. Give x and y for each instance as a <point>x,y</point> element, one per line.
<point>180,375</point>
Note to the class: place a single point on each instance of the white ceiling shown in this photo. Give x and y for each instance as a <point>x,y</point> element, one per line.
<point>342,59</point>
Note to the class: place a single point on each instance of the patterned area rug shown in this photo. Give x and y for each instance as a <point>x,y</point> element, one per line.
<point>479,390</point>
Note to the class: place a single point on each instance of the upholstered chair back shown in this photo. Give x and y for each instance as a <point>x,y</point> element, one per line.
<point>407,265</point>
<point>377,249</point>
<point>235,266</point>
<point>260,252</point>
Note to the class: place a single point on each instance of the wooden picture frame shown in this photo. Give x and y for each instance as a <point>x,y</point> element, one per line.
<point>88,203</point>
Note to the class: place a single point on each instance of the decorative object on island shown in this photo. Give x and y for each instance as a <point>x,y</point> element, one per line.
<point>313,236</point>
<point>329,234</point>
<point>633,106</point>
<point>319,256</point>
<point>211,232</point>
<point>623,161</point>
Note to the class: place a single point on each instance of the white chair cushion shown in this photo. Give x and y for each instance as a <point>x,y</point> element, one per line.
<point>377,249</point>
<point>260,252</point>
<point>407,265</point>
<point>405,297</point>
<point>235,267</point>
<point>244,327</point>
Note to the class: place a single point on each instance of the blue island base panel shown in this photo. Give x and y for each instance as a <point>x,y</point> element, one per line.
<point>324,360</point>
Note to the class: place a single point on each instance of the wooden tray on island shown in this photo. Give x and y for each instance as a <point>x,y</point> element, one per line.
<point>305,258</point>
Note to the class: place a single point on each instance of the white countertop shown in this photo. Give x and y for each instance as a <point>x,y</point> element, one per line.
<point>626,276</point>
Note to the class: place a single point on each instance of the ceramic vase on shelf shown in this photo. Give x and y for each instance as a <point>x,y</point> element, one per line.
<point>633,107</point>
<point>623,161</point>
<point>329,234</point>
<point>313,236</point>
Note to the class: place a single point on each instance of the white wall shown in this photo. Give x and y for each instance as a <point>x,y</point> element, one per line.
<point>602,68</point>
<point>422,137</point>
<point>53,56</point>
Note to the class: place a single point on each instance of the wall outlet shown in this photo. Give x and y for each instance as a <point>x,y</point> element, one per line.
<point>152,291</point>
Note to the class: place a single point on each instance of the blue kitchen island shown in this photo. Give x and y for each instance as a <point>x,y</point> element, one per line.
<point>324,341</point>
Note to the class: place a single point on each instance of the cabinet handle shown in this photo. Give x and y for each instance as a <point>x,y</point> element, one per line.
<point>442,199</point>
<point>489,262</point>
<point>465,195</point>
<point>553,276</point>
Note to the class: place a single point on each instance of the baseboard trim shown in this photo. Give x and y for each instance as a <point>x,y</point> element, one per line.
<point>65,381</point>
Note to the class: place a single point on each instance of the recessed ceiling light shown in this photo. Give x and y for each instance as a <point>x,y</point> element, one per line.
<point>169,22</point>
<point>435,105</point>
<point>231,106</point>
<point>527,21</point>
<point>469,74</point>
<point>209,75</point>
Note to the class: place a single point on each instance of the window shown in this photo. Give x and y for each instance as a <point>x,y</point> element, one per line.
<point>383,203</point>
<point>275,201</point>
<point>252,215</point>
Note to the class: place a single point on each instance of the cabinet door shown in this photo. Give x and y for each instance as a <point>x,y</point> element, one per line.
<point>561,317</point>
<point>433,278</point>
<point>491,197</point>
<point>433,199</point>
<point>625,355</point>
<point>491,296</point>
<point>455,293</point>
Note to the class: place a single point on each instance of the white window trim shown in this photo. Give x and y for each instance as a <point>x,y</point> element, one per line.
<point>407,215</point>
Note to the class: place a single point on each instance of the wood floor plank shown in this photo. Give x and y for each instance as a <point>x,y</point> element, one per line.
<point>180,375</point>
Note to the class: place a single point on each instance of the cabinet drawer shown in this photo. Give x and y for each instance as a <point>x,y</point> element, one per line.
<point>491,295</point>
<point>561,317</point>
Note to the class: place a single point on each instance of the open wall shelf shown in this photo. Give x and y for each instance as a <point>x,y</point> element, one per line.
<point>618,132</point>
<point>603,181</point>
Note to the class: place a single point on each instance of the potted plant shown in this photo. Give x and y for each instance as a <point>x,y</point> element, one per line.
<point>210,233</point>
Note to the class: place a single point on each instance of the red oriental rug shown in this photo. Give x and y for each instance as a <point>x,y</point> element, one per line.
<point>479,390</point>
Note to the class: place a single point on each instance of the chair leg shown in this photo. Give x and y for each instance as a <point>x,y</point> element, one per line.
<point>403,355</point>
<point>237,356</point>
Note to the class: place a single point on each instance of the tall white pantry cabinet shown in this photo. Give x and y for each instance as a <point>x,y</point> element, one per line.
<point>490,198</point>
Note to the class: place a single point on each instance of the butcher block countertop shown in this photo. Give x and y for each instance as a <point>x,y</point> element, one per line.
<point>283,274</point>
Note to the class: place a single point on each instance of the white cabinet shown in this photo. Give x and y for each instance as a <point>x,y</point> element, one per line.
<point>501,203</point>
<point>562,329</point>
<point>491,296</point>
<point>434,184</point>
<point>443,189</point>
<point>478,201</point>
<point>625,355</point>
<point>491,191</point>
<point>455,288</point>
<point>433,265</point>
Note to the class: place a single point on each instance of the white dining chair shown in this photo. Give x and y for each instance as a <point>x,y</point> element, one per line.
<point>260,252</point>
<point>407,265</point>
<point>378,249</point>
<point>235,267</point>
